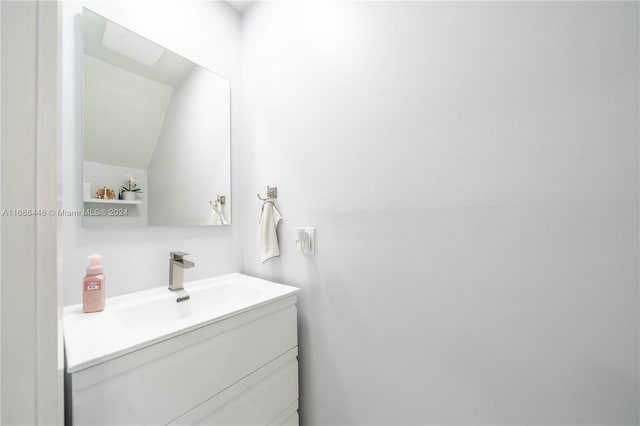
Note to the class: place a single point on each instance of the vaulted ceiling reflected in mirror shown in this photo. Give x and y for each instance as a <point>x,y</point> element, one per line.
<point>156,136</point>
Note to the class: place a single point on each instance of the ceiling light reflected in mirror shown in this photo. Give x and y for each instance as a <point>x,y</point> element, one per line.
<point>130,44</point>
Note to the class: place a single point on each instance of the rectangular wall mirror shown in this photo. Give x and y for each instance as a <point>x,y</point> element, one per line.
<point>156,133</point>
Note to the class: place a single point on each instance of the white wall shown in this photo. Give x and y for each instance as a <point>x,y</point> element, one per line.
<point>30,367</point>
<point>190,165</point>
<point>472,172</point>
<point>204,32</point>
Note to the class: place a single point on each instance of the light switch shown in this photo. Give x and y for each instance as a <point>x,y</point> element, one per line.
<point>306,240</point>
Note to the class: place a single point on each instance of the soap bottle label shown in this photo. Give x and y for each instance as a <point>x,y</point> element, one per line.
<point>92,286</point>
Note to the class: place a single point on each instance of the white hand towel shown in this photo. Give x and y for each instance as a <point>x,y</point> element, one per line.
<point>268,238</point>
<point>217,215</point>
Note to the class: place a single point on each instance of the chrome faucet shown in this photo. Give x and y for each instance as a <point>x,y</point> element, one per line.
<point>177,265</point>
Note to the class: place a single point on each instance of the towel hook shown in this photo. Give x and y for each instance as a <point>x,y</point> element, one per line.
<point>272,193</point>
<point>221,200</point>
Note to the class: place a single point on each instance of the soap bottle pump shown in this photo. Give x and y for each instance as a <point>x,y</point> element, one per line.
<point>93,285</point>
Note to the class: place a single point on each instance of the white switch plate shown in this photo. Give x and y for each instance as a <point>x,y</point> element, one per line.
<point>310,235</point>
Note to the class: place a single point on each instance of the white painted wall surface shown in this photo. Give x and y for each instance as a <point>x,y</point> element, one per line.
<point>1,118</point>
<point>204,32</point>
<point>19,73</point>
<point>472,172</point>
<point>31,385</point>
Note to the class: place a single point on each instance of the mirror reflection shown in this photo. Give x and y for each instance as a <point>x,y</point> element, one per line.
<point>156,133</point>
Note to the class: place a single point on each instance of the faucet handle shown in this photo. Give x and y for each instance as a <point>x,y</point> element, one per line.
<point>177,255</point>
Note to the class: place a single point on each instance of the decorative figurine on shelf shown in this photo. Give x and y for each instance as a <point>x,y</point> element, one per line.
<point>105,193</point>
<point>129,191</point>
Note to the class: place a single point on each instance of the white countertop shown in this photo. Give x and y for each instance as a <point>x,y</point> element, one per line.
<point>136,320</point>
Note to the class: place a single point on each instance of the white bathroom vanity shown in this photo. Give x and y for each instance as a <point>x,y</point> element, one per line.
<point>228,355</point>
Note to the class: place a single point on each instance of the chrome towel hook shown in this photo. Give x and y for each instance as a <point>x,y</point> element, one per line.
<point>272,194</point>
<point>220,201</point>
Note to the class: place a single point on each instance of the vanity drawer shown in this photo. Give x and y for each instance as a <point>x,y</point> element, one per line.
<point>157,384</point>
<point>269,392</point>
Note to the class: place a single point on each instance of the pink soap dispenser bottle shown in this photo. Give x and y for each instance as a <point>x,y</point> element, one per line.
<point>93,286</point>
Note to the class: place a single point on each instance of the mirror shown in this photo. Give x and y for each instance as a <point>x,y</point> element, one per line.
<point>156,132</point>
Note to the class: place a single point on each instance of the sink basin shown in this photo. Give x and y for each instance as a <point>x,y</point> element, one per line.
<point>140,319</point>
<point>206,300</point>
